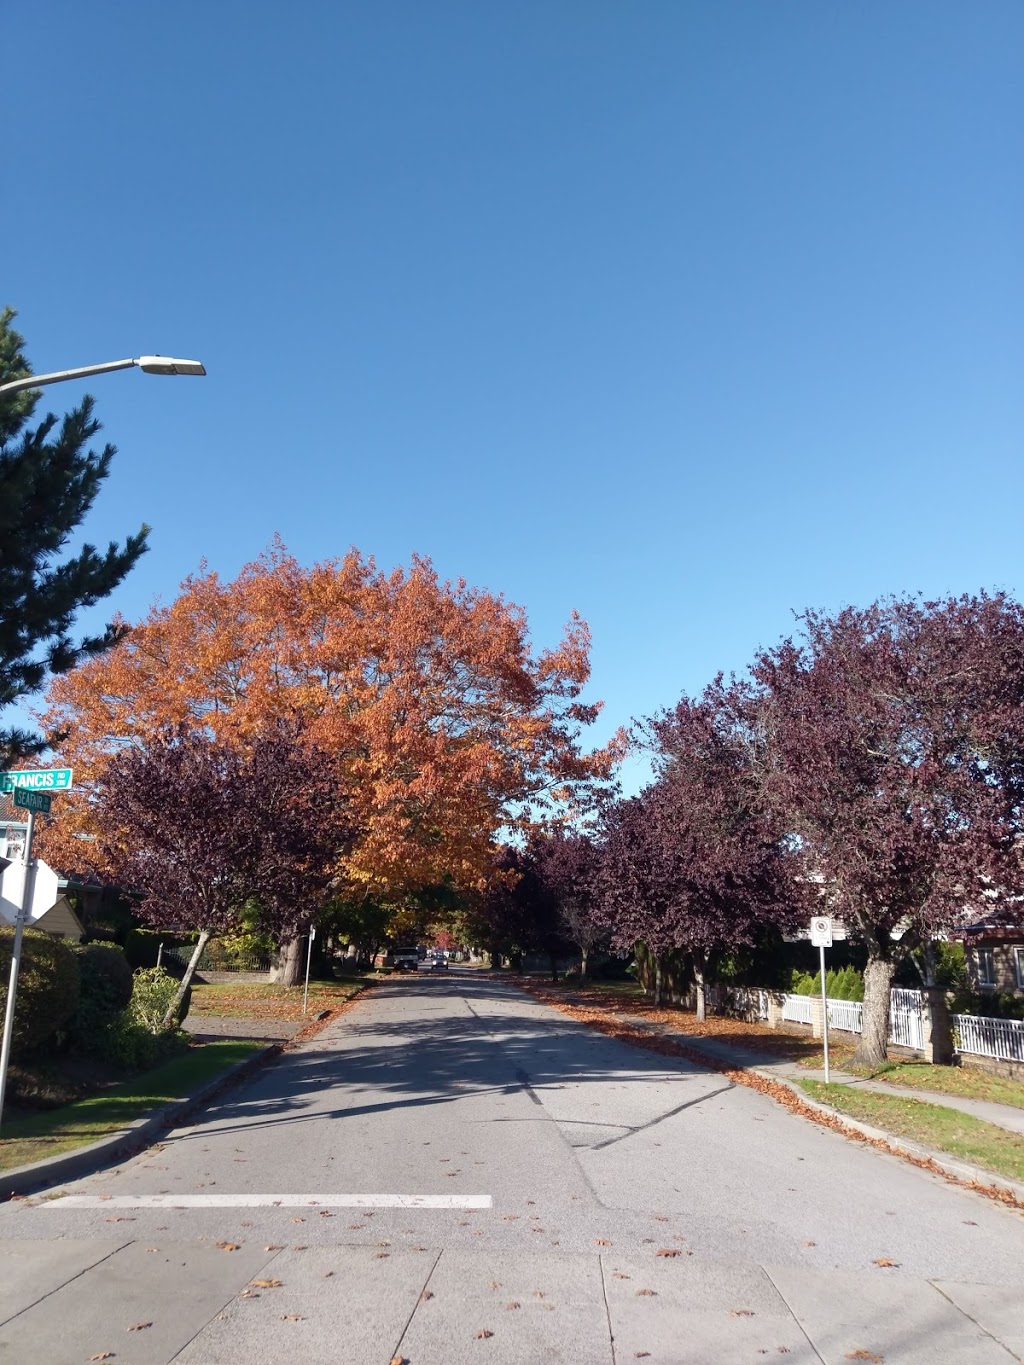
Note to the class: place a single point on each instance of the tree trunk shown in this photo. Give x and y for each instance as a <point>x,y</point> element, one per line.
<point>657,980</point>
<point>554,967</point>
<point>186,980</point>
<point>583,966</point>
<point>700,967</point>
<point>290,967</point>
<point>878,975</point>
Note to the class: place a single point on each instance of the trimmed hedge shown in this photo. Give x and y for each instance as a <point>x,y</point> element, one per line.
<point>49,986</point>
<point>106,989</point>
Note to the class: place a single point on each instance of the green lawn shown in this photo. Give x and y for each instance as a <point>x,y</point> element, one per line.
<point>74,1125</point>
<point>947,1130</point>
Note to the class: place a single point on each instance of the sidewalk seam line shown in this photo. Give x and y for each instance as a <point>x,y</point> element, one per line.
<point>213,1317</point>
<point>792,1312</point>
<point>419,1299</point>
<point>71,1280</point>
<point>607,1310</point>
<point>970,1318</point>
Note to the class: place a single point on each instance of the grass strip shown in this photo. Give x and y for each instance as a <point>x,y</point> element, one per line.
<point>88,1120</point>
<point>933,1125</point>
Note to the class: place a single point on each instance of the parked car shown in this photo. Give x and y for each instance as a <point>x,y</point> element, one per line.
<point>405,959</point>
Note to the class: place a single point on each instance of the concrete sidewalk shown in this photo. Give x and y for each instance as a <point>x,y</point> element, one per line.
<point>731,1054</point>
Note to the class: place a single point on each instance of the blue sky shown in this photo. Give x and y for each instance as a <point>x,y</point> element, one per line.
<point>684,315</point>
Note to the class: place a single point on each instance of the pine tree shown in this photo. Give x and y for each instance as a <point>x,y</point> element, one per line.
<point>49,479</point>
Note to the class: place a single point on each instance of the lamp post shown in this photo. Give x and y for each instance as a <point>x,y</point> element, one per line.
<point>148,364</point>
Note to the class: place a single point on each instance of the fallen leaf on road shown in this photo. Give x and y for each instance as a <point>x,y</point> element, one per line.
<point>639,1355</point>
<point>152,1248</point>
<point>326,1213</point>
<point>886,1261</point>
<point>356,1227</point>
<point>300,1248</point>
<point>808,1244</point>
<point>118,1218</point>
<point>660,1218</point>
<point>647,1293</point>
<point>140,1326</point>
<point>495,1284</point>
<point>510,1217</point>
<point>381,1255</point>
<point>618,1275</point>
<point>298,1220</point>
<point>103,1197</point>
<point>328,1274</point>
<point>398,1360</point>
<point>970,1222</point>
<point>865,1355</point>
<point>292,1317</point>
<point>483,1332</point>
<point>274,1246</point>
<point>742,1313</point>
<point>667,1251</point>
<point>248,1294</point>
<point>228,1246</point>
<point>514,1304</point>
<point>265,1284</point>
<point>427,1294</point>
<point>103,1355</point>
<point>602,1242</point>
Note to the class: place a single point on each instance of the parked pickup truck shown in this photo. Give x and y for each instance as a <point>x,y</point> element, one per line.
<point>406,959</point>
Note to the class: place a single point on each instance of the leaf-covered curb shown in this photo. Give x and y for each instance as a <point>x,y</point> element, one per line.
<point>781,1091</point>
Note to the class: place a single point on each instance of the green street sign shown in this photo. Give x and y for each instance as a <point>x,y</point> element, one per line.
<point>36,779</point>
<point>27,799</point>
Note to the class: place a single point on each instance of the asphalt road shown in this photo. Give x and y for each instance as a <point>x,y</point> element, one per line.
<point>454,1173</point>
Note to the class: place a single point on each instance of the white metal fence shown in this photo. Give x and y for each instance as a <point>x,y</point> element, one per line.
<point>847,1016</point>
<point>220,962</point>
<point>983,1037</point>
<point>796,1009</point>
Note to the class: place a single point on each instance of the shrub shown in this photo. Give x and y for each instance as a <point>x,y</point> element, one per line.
<point>133,1046</point>
<point>106,989</point>
<point>153,991</point>
<point>49,983</point>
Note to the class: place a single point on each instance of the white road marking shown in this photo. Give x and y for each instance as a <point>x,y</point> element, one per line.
<point>283,1201</point>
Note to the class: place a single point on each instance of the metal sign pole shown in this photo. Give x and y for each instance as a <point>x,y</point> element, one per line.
<point>12,988</point>
<point>309,954</point>
<point>824,1010</point>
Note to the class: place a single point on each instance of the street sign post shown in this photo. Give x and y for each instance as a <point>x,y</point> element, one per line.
<point>22,781</point>
<point>821,937</point>
<point>28,799</point>
<point>309,956</point>
<point>36,779</point>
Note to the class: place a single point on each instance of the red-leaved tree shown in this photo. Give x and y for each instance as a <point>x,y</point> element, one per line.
<point>890,743</point>
<point>201,828</point>
<point>697,862</point>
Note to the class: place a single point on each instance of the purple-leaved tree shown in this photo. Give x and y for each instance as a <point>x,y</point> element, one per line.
<point>201,829</point>
<point>696,862</point>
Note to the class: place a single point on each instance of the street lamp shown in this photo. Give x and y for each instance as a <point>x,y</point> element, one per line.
<point>148,364</point>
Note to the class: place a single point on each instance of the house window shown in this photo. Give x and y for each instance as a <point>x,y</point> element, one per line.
<point>986,967</point>
<point>1018,958</point>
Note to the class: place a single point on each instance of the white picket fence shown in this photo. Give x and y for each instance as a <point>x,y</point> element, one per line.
<point>999,1038</point>
<point>796,1009</point>
<point>847,1016</point>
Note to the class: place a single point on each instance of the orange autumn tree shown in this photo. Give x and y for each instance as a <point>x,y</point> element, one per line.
<point>444,725</point>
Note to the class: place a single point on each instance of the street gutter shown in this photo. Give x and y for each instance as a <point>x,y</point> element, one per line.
<point>789,1093</point>
<point>142,1132</point>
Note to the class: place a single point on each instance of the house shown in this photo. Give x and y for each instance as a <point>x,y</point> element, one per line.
<point>994,949</point>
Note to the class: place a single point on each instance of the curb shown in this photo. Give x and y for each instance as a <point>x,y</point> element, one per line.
<point>960,1171</point>
<point>975,1178</point>
<point>138,1134</point>
<point>108,1151</point>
